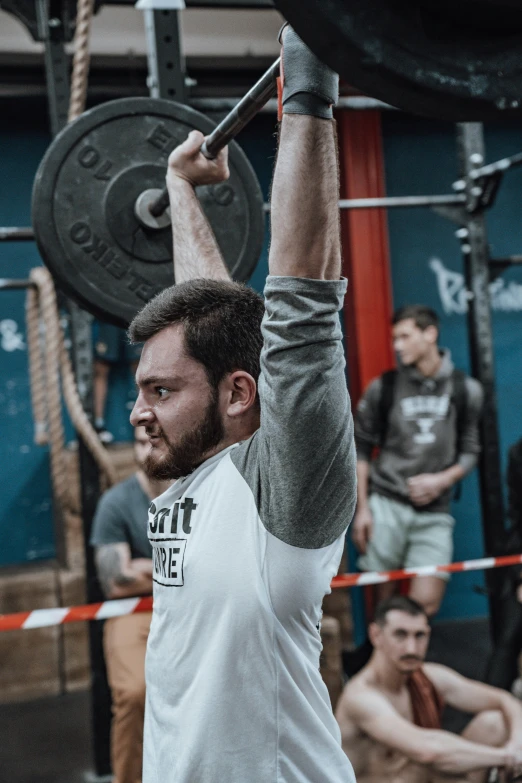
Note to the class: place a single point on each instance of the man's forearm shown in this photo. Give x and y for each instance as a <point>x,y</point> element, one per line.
<point>119,575</point>
<point>130,583</point>
<point>305,233</point>
<point>196,252</point>
<point>512,712</point>
<point>452,475</point>
<point>450,754</point>
<point>363,473</point>
<point>459,470</point>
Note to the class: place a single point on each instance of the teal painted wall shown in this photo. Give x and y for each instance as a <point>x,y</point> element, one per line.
<point>26,530</point>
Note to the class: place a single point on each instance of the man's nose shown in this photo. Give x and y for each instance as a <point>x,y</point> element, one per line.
<point>141,414</point>
<point>411,647</point>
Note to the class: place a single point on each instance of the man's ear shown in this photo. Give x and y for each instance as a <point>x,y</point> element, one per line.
<point>432,334</point>
<point>240,391</point>
<point>374,632</point>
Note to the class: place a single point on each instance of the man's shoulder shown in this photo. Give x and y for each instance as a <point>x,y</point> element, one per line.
<point>360,686</point>
<point>473,386</point>
<point>473,394</point>
<point>429,670</point>
<point>459,376</point>
<point>120,492</point>
<point>438,675</point>
<point>374,388</point>
<point>114,512</point>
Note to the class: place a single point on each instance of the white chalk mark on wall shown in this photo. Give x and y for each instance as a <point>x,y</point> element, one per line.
<point>10,338</point>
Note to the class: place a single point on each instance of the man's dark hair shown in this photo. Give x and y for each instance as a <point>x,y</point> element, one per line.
<point>399,603</point>
<point>221,323</point>
<point>422,316</point>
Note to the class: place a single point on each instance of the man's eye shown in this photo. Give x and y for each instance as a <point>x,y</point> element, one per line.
<point>161,391</point>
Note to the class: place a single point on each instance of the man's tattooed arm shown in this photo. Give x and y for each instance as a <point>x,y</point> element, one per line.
<point>119,575</point>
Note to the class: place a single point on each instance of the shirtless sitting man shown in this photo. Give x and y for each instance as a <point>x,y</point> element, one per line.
<point>390,712</point>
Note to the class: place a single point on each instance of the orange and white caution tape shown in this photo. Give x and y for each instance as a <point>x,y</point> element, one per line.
<point>42,618</point>
<point>378,577</point>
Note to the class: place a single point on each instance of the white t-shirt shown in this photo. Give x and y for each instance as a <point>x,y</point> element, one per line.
<point>244,550</point>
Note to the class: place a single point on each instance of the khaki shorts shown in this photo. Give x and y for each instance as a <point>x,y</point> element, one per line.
<point>404,537</point>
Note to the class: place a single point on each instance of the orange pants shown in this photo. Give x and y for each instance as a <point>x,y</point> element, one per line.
<point>125,642</point>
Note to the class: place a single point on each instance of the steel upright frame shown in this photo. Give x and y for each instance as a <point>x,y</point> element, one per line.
<point>165,59</point>
<point>475,251</point>
<point>52,31</point>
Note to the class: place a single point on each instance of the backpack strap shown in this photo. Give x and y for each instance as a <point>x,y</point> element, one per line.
<point>459,399</point>
<point>388,379</point>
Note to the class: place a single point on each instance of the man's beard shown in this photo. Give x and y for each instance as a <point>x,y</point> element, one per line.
<point>189,452</point>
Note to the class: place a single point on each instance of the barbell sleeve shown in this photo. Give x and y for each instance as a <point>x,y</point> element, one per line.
<point>14,234</point>
<point>231,125</point>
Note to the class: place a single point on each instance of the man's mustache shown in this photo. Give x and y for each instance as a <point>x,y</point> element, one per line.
<point>152,433</point>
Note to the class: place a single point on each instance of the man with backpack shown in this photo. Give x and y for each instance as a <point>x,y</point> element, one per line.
<point>423,418</point>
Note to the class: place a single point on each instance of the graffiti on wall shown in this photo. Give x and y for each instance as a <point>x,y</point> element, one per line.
<point>454,296</point>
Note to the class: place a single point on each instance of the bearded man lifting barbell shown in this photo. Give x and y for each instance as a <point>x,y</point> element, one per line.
<point>246,541</point>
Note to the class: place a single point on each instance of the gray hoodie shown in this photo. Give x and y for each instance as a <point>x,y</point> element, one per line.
<point>422,432</point>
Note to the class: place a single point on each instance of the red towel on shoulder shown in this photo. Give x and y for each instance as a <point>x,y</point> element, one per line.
<point>426,703</point>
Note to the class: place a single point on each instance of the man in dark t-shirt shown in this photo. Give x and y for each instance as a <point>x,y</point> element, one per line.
<point>124,564</point>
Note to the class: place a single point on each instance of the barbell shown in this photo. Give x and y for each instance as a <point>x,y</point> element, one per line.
<point>100,208</point>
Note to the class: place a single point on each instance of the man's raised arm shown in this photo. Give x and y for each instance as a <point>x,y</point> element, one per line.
<point>306,422</point>
<point>304,207</point>
<point>305,192</point>
<point>196,252</point>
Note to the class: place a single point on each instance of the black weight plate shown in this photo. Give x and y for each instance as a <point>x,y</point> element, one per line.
<point>446,59</point>
<point>83,205</point>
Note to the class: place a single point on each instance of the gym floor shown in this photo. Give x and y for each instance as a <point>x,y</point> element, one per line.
<point>48,741</point>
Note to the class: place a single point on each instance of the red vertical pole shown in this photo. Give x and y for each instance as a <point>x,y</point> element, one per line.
<point>368,304</point>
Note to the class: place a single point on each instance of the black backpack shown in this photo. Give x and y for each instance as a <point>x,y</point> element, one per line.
<point>459,399</point>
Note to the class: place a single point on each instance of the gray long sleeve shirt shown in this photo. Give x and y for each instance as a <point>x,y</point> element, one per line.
<point>422,431</point>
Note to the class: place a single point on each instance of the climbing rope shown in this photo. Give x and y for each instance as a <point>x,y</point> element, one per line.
<point>36,368</point>
<point>45,381</point>
<point>45,372</point>
<point>81,59</point>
